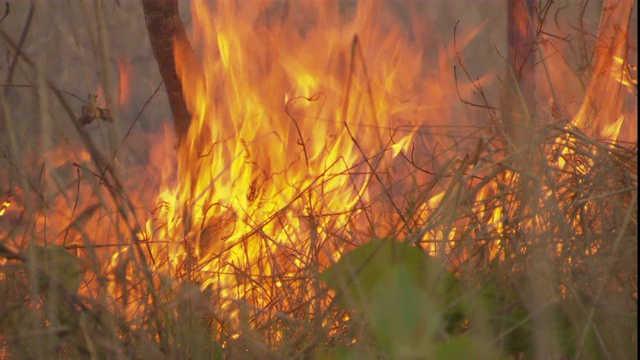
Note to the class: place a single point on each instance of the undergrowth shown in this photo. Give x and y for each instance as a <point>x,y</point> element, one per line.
<point>519,258</point>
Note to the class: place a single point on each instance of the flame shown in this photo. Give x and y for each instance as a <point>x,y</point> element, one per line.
<point>283,134</point>
<point>621,71</point>
<point>286,141</point>
<point>603,92</point>
<point>298,123</point>
<point>3,207</point>
<point>602,99</point>
<point>124,83</point>
<point>612,131</point>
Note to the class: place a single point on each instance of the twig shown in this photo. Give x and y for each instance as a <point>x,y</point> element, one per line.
<point>474,83</point>
<point>20,44</point>
<point>133,124</point>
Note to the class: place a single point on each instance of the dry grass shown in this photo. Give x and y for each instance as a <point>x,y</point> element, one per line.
<point>553,275</point>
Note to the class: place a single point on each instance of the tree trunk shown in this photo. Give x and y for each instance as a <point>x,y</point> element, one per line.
<point>517,98</point>
<point>165,29</point>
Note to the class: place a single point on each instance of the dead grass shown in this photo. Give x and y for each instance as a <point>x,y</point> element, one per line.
<point>558,261</point>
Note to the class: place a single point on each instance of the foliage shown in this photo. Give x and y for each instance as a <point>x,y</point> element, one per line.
<point>519,258</point>
<point>408,299</point>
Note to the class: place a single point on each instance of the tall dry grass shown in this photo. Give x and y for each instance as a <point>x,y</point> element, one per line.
<point>554,277</point>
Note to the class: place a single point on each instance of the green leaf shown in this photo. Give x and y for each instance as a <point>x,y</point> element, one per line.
<point>360,270</point>
<point>404,294</point>
<point>403,316</point>
<point>56,265</point>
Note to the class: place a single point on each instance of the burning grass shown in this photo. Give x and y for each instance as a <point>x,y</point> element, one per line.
<point>537,238</point>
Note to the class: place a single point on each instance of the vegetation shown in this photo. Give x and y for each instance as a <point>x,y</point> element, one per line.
<point>503,251</point>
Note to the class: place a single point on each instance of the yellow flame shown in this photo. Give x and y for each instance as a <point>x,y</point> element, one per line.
<point>292,126</point>
<point>611,131</point>
<point>621,71</point>
<point>277,138</point>
<point>3,207</point>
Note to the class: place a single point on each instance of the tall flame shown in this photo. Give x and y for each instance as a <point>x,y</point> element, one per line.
<point>282,134</point>
<point>297,109</point>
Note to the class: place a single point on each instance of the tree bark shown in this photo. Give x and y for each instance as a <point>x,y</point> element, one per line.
<point>165,30</point>
<point>518,99</point>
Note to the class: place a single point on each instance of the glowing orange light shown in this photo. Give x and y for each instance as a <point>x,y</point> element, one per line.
<point>3,207</point>
<point>124,83</point>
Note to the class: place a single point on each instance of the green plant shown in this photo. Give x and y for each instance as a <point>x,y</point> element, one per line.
<point>411,302</point>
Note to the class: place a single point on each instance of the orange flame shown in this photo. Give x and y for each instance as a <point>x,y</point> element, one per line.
<point>283,134</point>
<point>124,83</point>
<point>284,138</point>
<point>298,121</point>
<point>602,99</point>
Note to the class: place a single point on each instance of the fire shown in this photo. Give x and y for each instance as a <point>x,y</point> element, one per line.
<point>612,131</point>
<point>298,146</point>
<point>286,141</point>
<point>602,98</point>
<point>292,125</point>
<point>124,83</point>
<point>3,207</point>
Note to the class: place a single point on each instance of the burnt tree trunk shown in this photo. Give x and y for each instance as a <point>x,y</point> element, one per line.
<point>165,30</point>
<point>518,101</point>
